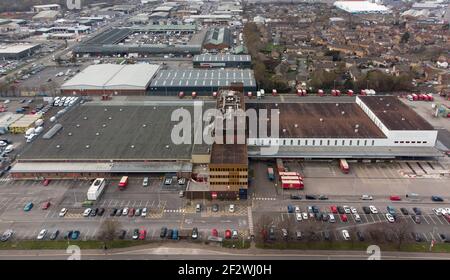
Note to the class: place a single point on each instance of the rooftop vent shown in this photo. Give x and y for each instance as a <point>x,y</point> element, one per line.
<point>58,146</point>
<point>97,134</point>
<point>276,104</point>
<point>84,118</point>
<point>70,133</point>
<point>387,105</point>
<point>403,119</point>
<point>144,125</point>
<point>342,112</point>
<point>109,118</point>
<point>87,146</point>
<point>284,130</point>
<point>337,104</point>
<point>356,130</point>
<point>321,119</point>
<point>167,146</point>
<point>106,109</point>
<point>78,125</point>
<point>356,125</point>
<point>120,109</point>
<point>295,125</point>
<point>384,111</point>
<point>132,146</point>
<point>104,125</point>
<point>154,108</point>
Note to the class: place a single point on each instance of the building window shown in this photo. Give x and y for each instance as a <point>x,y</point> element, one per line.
<point>320,143</point>
<point>328,142</point>
<point>335,142</point>
<point>424,142</point>
<point>306,142</point>
<point>292,142</point>
<point>418,142</point>
<point>373,142</point>
<point>357,143</point>
<point>298,143</point>
<point>350,143</point>
<point>396,142</point>
<point>407,142</point>
<point>343,142</point>
<point>402,142</point>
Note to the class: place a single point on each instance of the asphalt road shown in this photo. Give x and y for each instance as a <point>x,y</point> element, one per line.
<point>183,253</point>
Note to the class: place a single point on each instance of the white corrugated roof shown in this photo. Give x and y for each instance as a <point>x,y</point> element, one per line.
<point>360,7</point>
<point>112,76</point>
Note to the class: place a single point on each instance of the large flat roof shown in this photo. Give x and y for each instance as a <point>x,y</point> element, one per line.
<point>113,76</point>
<point>229,154</point>
<point>394,114</point>
<point>114,132</point>
<point>203,78</point>
<point>321,120</point>
<point>16,48</point>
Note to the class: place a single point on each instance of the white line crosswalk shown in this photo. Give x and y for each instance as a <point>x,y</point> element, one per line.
<point>264,198</point>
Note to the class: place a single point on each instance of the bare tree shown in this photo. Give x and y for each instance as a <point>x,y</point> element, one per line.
<point>401,229</point>
<point>375,232</point>
<point>108,230</point>
<point>262,228</point>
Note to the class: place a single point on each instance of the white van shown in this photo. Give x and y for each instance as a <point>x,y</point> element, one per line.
<point>31,138</point>
<point>9,148</point>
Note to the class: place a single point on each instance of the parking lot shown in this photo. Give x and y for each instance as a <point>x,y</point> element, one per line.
<point>165,209</point>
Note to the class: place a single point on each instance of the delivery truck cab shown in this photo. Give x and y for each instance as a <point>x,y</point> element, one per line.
<point>123,183</point>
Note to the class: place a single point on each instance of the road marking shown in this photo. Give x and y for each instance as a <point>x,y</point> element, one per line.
<point>425,219</point>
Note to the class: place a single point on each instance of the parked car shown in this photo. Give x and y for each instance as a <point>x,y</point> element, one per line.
<point>345,234</point>
<point>87,212</point>
<point>298,217</point>
<point>290,209</point>
<point>323,197</point>
<point>142,234</point>
<point>373,209</point>
<point>390,218</point>
<point>366,210</point>
<point>46,182</point>
<point>297,209</point>
<point>45,205</point>
<point>395,198</point>
<point>357,218</point>
<point>341,210</point>
<point>404,211</point>
<point>75,234</point>
<point>366,197</point>
<point>175,234</point>
<point>298,235</point>
<point>310,196</point>
<point>113,212</point>
<point>331,218</point>
<point>198,208</point>
<point>346,209</point>
<point>94,212</point>
<point>214,232</point>
<point>28,206</point>
<point>416,219</point>
<point>284,233</point>
<point>333,209</point>
<point>54,235</point>
<point>437,198</point>
<point>135,234</point>
<point>296,197</point>
<point>391,210</point>
<point>125,211</point>
<point>144,212</point>
<point>63,212</point>
<point>169,233</point>
<point>353,210</point>
<point>272,233</point>
<point>234,234</point>
<point>137,213</point>
<point>42,234</point>
<point>417,211</point>
<point>6,235</point>
<point>305,216</point>
<point>101,211</point>
<point>131,212</point>
<point>163,232</point>
<point>232,208</point>
<point>344,218</point>
<point>194,234</point>
<point>145,182</point>
<point>227,234</point>
<point>215,208</point>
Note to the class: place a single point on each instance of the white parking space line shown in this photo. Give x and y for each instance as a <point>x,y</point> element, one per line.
<point>153,202</point>
<point>425,219</point>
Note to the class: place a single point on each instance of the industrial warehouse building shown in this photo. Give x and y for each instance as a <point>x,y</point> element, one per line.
<point>17,51</point>
<point>372,127</point>
<point>218,38</point>
<point>201,81</point>
<point>135,137</point>
<point>111,41</point>
<point>222,60</point>
<point>111,79</point>
<point>104,141</point>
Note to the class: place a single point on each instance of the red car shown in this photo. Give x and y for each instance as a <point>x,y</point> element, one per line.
<point>214,232</point>
<point>395,198</point>
<point>447,217</point>
<point>131,212</point>
<point>344,218</point>
<point>46,205</point>
<point>228,234</point>
<point>142,234</point>
<point>46,182</point>
<point>334,209</point>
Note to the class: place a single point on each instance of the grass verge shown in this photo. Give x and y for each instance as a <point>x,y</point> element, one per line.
<point>62,244</point>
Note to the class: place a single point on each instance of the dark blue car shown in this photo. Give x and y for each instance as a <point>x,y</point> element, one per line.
<point>437,198</point>
<point>290,209</point>
<point>175,234</point>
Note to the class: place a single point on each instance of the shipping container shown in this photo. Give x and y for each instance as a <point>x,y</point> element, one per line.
<point>290,174</point>
<point>292,184</point>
